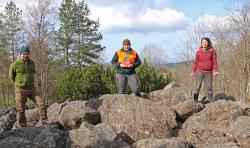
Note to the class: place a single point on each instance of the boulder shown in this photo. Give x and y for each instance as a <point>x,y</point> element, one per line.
<point>75,112</point>
<point>210,126</point>
<point>139,118</point>
<point>171,96</point>
<point>7,119</point>
<point>188,108</point>
<point>30,137</point>
<point>240,130</point>
<point>100,135</point>
<point>162,143</point>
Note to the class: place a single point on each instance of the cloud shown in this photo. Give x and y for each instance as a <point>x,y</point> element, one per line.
<point>123,19</point>
<point>210,21</point>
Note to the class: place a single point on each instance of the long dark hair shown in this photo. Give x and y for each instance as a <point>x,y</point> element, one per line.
<point>209,42</point>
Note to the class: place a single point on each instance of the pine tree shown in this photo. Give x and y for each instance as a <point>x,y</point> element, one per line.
<point>78,34</point>
<point>12,25</point>
<point>65,33</point>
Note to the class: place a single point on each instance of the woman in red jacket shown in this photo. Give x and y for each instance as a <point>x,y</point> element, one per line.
<point>204,67</point>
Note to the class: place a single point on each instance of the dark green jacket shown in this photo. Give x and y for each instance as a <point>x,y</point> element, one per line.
<point>121,70</point>
<point>22,74</point>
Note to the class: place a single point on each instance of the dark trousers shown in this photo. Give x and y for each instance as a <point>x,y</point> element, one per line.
<point>121,81</point>
<point>21,98</point>
<point>208,78</point>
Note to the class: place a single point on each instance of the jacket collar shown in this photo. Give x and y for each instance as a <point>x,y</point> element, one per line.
<point>21,60</point>
<point>211,49</point>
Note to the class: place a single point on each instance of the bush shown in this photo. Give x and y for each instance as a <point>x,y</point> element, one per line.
<point>81,84</point>
<point>90,82</point>
<point>150,79</point>
<point>108,77</point>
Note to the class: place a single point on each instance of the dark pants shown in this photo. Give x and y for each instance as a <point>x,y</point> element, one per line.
<point>121,80</point>
<point>21,98</point>
<point>208,78</point>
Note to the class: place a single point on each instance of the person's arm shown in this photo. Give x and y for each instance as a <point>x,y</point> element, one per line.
<point>12,73</point>
<point>194,67</point>
<point>114,61</point>
<point>137,62</point>
<point>215,63</point>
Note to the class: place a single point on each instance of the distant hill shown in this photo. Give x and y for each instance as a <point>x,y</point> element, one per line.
<point>174,64</point>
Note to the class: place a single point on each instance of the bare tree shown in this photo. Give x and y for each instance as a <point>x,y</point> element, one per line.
<point>153,54</point>
<point>241,22</point>
<point>40,24</point>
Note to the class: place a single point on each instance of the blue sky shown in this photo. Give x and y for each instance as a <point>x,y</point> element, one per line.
<point>159,22</point>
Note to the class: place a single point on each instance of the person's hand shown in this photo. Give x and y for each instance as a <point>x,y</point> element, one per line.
<point>122,65</point>
<point>126,65</point>
<point>216,73</point>
<point>192,74</point>
<point>129,65</point>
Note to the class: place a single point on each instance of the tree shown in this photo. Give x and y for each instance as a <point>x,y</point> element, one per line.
<point>40,37</point>
<point>64,34</point>
<point>5,85</point>
<point>12,25</point>
<point>79,35</point>
<point>153,54</point>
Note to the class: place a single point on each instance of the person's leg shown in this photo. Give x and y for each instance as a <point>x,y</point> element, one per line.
<point>208,78</point>
<point>39,102</point>
<point>134,85</point>
<point>198,81</point>
<point>20,97</point>
<point>121,83</point>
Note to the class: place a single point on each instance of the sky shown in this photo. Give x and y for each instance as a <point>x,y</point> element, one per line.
<point>159,22</point>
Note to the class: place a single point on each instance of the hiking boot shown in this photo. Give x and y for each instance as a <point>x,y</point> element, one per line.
<point>196,96</point>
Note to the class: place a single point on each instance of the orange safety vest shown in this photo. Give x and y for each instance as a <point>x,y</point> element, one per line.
<point>123,55</point>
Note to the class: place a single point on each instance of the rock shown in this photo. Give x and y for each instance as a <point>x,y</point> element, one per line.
<point>54,111</point>
<point>139,118</point>
<point>32,116</point>
<point>49,137</point>
<point>94,103</point>
<point>224,145</point>
<point>7,119</point>
<point>222,96</point>
<point>171,96</point>
<point>171,85</point>
<point>73,114</point>
<point>210,126</point>
<point>188,108</point>
<point>162,143</point>
<point>100,135</point>
<point>240,130</point>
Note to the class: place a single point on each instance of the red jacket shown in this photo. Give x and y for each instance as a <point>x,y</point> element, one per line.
<point>205,61</point>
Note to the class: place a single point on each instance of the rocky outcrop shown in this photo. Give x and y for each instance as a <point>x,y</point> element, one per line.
<point>167,118</point>
<point>138,117</point>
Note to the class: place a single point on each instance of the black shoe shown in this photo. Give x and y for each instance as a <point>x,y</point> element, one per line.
<point>196,96</point>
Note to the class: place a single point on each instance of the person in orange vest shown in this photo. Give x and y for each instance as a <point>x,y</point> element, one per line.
<point>125,61</point>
